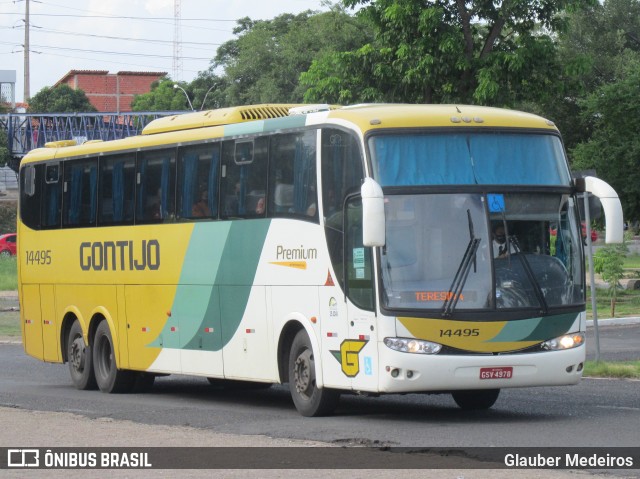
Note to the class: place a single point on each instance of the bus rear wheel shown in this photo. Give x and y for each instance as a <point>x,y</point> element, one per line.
<point>80,359</point>
<point>309,399</point>
<point>476,399</point>
<point>109,378</point>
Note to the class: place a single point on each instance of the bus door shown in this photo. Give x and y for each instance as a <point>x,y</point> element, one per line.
<point>351,311</point>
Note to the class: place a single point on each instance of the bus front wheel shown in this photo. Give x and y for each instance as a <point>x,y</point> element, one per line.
<point>476,399</point>
<point>309,399</point>
<point>80,359</point>
<point>110,379</point>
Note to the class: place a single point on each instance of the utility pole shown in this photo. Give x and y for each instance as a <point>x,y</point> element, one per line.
<point>27,90</point>
<point>177,41</point>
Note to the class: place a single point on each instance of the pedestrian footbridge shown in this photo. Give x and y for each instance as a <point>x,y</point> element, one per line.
<point>26,131</point>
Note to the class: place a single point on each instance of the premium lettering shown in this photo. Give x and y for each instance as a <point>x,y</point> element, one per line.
<point>120,255</point>
<point>296,253</point>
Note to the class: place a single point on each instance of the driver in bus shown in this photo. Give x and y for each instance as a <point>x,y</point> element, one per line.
<point>500,247</point>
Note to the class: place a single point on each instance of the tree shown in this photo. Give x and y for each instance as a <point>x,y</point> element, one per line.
<point>264,63</point>
<point>597,45</point>
<point>609,263</point>
<point>428,51</point>
<point>614,147</point>
<point>162,97</point>
<point>4,148</point>
<point>60,99</point>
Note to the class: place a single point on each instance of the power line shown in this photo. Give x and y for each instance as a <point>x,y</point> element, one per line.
<point>156,20</point>
<point>105,52</point>
<point>125,17</point>
<point>91,35</point>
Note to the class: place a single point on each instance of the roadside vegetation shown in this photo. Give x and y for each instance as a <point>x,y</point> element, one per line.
<point>609,369</point>
<point>8,273</point>
<point>616,302</point>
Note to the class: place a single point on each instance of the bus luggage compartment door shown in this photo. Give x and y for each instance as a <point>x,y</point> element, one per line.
<point>31,319</point>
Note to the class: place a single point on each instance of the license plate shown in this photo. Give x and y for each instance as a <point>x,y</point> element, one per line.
<point>496,373</point>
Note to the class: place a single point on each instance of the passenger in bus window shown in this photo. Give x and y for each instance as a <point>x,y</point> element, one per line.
<point>201,209</point>
<point>260,206</point>
<point>312,202</point>
<point>154,210</point>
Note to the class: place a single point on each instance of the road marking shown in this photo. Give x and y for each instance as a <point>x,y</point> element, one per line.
<point>620,407</point>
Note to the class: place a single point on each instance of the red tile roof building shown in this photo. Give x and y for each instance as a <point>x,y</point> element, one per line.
<point>110,92</point>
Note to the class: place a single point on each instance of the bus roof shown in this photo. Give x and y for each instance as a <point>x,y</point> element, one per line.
<point>376,116</point>
<point>221,116</point>
<point>272,117</point>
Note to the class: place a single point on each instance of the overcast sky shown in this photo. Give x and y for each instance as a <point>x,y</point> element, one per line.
<point>122,35</point>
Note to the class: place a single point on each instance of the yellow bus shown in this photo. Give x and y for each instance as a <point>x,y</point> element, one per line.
<point>371,249</point>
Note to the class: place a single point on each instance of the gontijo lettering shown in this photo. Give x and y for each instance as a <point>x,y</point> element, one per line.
<point>120,255</point>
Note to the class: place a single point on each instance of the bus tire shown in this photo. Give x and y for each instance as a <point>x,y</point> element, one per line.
<point>80,359</point>
<point>309,399</point>
<point>476,399</point>
<point>109,378</point>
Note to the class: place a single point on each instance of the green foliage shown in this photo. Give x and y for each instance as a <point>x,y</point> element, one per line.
<point>60,99</point>
<point>4,148</point>
<point>264,63</point>
<point>445,51</point>
<point>614,146</point>
<point>162,97</point>
<point>608,262</point>
<point>8,216</point>
<point>8,273</point>
<point>606,369</point>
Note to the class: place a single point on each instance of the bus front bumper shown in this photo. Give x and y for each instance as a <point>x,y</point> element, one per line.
<point>406,372</point>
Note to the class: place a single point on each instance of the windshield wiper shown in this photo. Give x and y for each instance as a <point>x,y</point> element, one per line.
<point>462,273</point>
<point>512,241</point>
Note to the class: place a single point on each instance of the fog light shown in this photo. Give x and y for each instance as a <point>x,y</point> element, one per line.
<point>395,372</point>
<point>580,366</point>
<point>569,369</point>
<point>409,374</point>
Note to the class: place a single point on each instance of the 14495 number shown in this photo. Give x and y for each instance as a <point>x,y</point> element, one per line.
<point>41,257</point>
<point>462,333</point>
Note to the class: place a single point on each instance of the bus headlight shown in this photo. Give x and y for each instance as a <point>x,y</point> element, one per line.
<point>407,345</point>
<point>568,341</point>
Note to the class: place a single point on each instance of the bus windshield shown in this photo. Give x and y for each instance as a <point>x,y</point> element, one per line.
<point>461,252</point>
<point>491,158</point>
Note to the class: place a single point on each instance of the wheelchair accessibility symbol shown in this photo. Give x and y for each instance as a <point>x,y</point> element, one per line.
<point>496,203</point>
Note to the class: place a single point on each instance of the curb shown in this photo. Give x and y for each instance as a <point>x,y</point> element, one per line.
<point>614,321</point>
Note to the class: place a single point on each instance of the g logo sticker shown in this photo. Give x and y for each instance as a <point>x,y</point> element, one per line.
<point>348,356</point>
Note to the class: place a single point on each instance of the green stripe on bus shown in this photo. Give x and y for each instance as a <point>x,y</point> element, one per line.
<point>216,281</point>
<point>536,329</point>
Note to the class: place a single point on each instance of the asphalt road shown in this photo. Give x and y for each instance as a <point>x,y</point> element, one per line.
<point>596,412</point>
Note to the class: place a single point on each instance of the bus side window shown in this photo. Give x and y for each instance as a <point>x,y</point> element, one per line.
<point>30,197</point>
<point>79,191</point>
<point>292,175</point>
<point>155,186</point>
<point>198,168</point>
<point>342,171</point>
<point>116,189</point>
<point>244,177</point>
<point>50,212</point>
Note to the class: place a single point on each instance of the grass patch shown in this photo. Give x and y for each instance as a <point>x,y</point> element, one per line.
<point>632,261</point>
<point>627,304</point>
<point>606,369</point>
<point>9,320</point>
<point>8,273</point>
